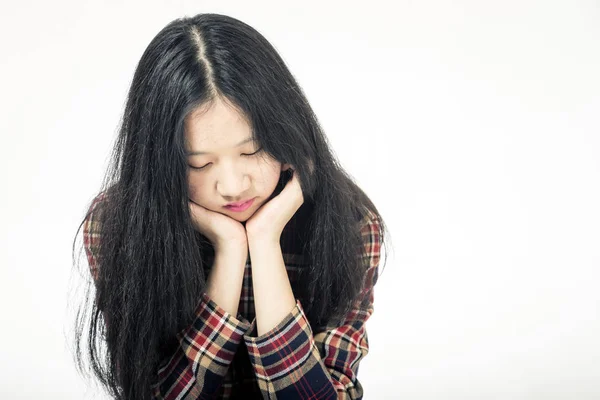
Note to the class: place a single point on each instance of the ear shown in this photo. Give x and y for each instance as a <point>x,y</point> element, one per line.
<point>286,166</point>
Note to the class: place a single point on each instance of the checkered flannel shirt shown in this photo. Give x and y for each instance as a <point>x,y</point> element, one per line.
<point>220,357</point>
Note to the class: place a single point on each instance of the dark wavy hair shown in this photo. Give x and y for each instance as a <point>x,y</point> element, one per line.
<point>152,263</point>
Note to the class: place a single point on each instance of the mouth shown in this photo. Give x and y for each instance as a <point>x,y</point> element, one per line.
<point>242,206</point>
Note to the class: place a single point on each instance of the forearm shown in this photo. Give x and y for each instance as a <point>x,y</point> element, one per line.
<point>199,366</point>
<point>224,283</point>
<point>273,296</point>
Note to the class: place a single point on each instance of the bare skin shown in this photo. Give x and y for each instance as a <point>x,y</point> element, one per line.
<point>273,292</point>
<point>228,237</point>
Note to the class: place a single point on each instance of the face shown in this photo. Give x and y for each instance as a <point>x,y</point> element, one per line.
<point>225,165</point>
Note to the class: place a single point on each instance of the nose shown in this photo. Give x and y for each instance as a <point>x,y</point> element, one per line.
<point>232,185</point>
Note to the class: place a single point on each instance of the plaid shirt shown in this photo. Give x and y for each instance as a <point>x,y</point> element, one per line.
<point>220,357</point>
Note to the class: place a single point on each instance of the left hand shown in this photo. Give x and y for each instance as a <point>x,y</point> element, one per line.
<point>270,219</point>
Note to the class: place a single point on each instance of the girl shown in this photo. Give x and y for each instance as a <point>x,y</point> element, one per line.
<point>232,256</point>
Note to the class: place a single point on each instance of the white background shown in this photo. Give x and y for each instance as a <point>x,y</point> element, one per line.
<point>473,125</point>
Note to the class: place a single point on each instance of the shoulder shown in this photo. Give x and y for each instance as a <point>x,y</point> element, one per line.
<point>92,230</point>
<point>371,232</point>
<point>97,205</point>
<point>370,225</point>
<point>93,214</point>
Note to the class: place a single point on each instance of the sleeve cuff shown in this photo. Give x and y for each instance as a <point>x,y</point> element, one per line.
<point>210,318</point>
<point>295,316</point>
<point>208,346</point>
<point>284,348</point>
<point>208,306</point>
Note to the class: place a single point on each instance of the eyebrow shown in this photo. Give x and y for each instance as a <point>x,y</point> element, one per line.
<point>197,153</point>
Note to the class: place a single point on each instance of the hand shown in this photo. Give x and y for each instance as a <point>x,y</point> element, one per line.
<point>270,219</point>
<point>219,228</point>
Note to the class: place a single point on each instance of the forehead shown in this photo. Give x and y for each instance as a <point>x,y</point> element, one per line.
<point>215,125</point>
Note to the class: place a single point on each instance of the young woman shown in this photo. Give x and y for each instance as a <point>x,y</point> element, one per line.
<point>231,255</point>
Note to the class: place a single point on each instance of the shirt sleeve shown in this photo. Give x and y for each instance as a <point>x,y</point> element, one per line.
<point>206,347</point>
<point>293,362</point>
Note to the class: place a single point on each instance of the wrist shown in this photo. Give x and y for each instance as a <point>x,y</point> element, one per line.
<point>231,247</point>
<point>263,239</point>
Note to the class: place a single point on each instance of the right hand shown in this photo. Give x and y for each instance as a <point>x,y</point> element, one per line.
<point>220,229</point>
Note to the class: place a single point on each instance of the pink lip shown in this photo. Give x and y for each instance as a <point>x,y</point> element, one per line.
<point>241,207</point>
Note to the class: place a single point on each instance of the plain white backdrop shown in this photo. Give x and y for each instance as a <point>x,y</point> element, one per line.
<point>473,125</point>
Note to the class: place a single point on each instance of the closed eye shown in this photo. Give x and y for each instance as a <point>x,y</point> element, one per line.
<point>251,154</point>
<point>247,155</point>
<point>199,168</point>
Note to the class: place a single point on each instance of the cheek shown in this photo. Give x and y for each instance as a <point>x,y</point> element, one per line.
<point>192,190</point>
<point>194,187</point>
<point>270,176</point>
<point>274,181</point>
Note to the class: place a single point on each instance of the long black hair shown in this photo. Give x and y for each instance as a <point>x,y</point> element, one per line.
<point>152,264</point>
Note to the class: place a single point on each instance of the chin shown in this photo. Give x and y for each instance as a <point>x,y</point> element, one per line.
<point>239,217</point>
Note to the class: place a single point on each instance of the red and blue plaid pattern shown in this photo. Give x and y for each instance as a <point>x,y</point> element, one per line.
<point>219,356</point>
